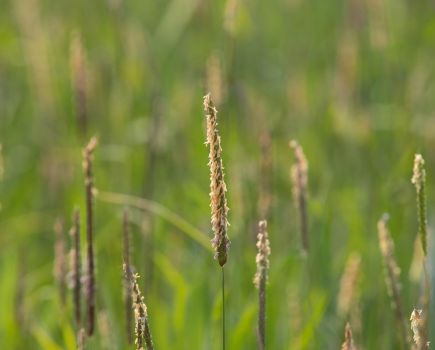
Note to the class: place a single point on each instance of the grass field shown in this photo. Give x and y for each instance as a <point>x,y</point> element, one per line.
<point>353,81</point>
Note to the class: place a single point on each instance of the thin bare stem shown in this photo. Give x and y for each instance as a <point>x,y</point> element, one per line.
<point>223,309</point>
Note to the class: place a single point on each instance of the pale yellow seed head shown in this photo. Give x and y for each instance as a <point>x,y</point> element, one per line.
<point>417,323</point>
<point>299,171</point>
<point>419,174</point>
<point>262,258</point>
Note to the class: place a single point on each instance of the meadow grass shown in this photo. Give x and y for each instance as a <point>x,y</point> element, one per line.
<point>351,81</point>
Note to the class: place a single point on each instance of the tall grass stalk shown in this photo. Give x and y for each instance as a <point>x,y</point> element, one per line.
<point>218,201</point>
<point>81,339</point>
<point>260,280</point>
<point>60,263</point>
<point>392,279</point>
<point>127,277</point>
<point>90,272</point>
<point>419,181</point>
<point>76,266</point>
<point>299,176</point>
<point>349,285</point>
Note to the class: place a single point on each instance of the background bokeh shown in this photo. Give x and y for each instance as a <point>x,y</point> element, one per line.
<point>353,81</point>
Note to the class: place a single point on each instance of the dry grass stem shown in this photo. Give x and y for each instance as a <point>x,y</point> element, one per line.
<point>392,277</point>
<point>90,272</point>
<point>348,285</point>
<point>299,176</point>
<point>81,339</point>
<point>75,259</point>
<point>219,208</point>
<point>60,262</point>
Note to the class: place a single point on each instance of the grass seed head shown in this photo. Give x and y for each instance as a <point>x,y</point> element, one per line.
<point>219,208</point>
<point>262,258</point>
<point>419,181</point>
<point>348,339</point>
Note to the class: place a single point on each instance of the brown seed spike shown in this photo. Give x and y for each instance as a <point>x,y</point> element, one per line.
<point>76,265</point>
<point>143,333</point>
<point>347,295</point>
<point>219,208</point>
<point>60,261</point>
<point>127,278</point>
<point>90,273</point>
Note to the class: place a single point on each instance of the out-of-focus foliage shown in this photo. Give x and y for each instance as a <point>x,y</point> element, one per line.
<point>353,81</point>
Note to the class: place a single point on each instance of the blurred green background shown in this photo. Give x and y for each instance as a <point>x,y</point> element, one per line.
<point>353,81</point>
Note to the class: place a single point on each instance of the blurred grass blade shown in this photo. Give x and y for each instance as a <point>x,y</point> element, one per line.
<point>243,329</point>
<point>44,340</point>
<point>157,209</point>
<point>69,338</point>
<point>174,21</point>
<point>180,288</point>
<point>318,302</point>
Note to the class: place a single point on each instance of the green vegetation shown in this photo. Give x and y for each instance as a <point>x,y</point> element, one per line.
<point>352,81</point>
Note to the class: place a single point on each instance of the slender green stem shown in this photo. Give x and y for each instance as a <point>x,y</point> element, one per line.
<point>223,308</point>
<point>426,302</point>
